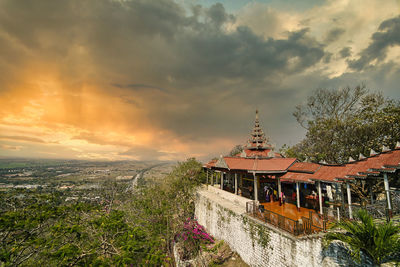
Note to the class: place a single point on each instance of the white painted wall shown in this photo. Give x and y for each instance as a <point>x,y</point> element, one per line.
<point>226,220</point>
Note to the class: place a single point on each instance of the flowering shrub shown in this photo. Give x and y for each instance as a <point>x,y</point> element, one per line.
<point>192,237</point>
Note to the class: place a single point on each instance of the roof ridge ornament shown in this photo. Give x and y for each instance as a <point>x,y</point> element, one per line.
<point>221,163</point>
<point>351,159</point>
<point>372,153</point>
<point>397,145</point>
<point>361,157</point>
<point>385,149</point>
<point>323,162</point>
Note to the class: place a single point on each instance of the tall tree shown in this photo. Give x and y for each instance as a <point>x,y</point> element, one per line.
<point>345,122</point>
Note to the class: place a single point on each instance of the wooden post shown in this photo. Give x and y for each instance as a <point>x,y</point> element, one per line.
<point>370,192</point>
<point>349,200</point>
<point>236,183</point>
<point>255,187</point>
<point>207,177</point>
<point>320,197</point>
<point>222,181</point>
<point>389,203</point>
<point>298,195</point>
<point>279,188</point>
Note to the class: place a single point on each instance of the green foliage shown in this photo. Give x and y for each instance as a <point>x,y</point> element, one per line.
<point>345,122</point>
<point>380,242</point>
<point>42,229</point>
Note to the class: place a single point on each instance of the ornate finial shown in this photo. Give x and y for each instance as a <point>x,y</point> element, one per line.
<point>397,145</point>
<point>323,162</point>
<point>361,157</point>
<point>385,148</point>
<point>351,159</point>
<point>372,153</point>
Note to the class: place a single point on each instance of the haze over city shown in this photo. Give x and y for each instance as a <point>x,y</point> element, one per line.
<point>168,80</point>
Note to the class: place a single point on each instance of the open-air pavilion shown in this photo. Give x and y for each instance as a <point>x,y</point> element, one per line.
<point>312,191</point>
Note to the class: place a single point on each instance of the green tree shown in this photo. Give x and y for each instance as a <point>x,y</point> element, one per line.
<point>380,242</point>
<point>42,229</point>
<point>163,208</point>
<point>345,122</point>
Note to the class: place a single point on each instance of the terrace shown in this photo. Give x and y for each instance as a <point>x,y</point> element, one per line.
<point>288,217</point>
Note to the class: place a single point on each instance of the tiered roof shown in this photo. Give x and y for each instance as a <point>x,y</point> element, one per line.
<point>257,156</point>
<point>258,145</point>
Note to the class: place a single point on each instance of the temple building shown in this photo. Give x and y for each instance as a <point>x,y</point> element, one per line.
<point>269,181</point>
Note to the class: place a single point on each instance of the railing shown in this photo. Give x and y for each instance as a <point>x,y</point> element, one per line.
<point>251,207</point>
<point>304,226</point>
<point>281,222</point>
<point>317,222</point>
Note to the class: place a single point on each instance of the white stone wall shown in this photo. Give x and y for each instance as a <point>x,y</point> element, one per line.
<point>238,200</point>
<point>257,243</point>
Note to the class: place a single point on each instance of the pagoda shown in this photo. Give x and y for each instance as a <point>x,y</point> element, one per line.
<point>256,165</point>
<point>258,144</point>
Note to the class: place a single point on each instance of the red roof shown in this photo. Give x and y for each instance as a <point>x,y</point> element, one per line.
<point>210,164</point>
<point>332,173</point>
<point>296,177</point>
<point>307,167</point>
<point>259,153</point>
<point>309,172</point>
<point>267,165</point>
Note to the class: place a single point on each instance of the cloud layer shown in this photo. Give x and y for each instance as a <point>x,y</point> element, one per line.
<point>166,80</point>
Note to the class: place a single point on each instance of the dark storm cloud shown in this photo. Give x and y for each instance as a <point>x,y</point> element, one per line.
<point>334,34</point>
<point>345,52</point>
<point>210,55</point>
<point>208,80</point>
<point>387,36</point>
<point>151,40</point>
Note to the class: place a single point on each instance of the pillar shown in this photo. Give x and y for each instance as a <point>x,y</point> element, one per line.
<point>212,178</point>
<point>222,181</point>
<point>279,187</point>
<point>236,184</point>
<point>320,197</point>
<point>255,187</point>
<point>386,182</point>
<point>298,194</point>
<point>349,200</point>
<point>207,177</point>
<point>371,193</point>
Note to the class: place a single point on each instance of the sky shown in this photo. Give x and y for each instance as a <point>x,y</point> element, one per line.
<point>168,80</point>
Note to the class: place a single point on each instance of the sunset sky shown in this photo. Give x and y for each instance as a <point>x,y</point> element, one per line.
<point>167,80</point>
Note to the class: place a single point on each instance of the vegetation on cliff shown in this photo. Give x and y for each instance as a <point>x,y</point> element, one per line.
<point>120,228</point>
<point>345,122</point>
